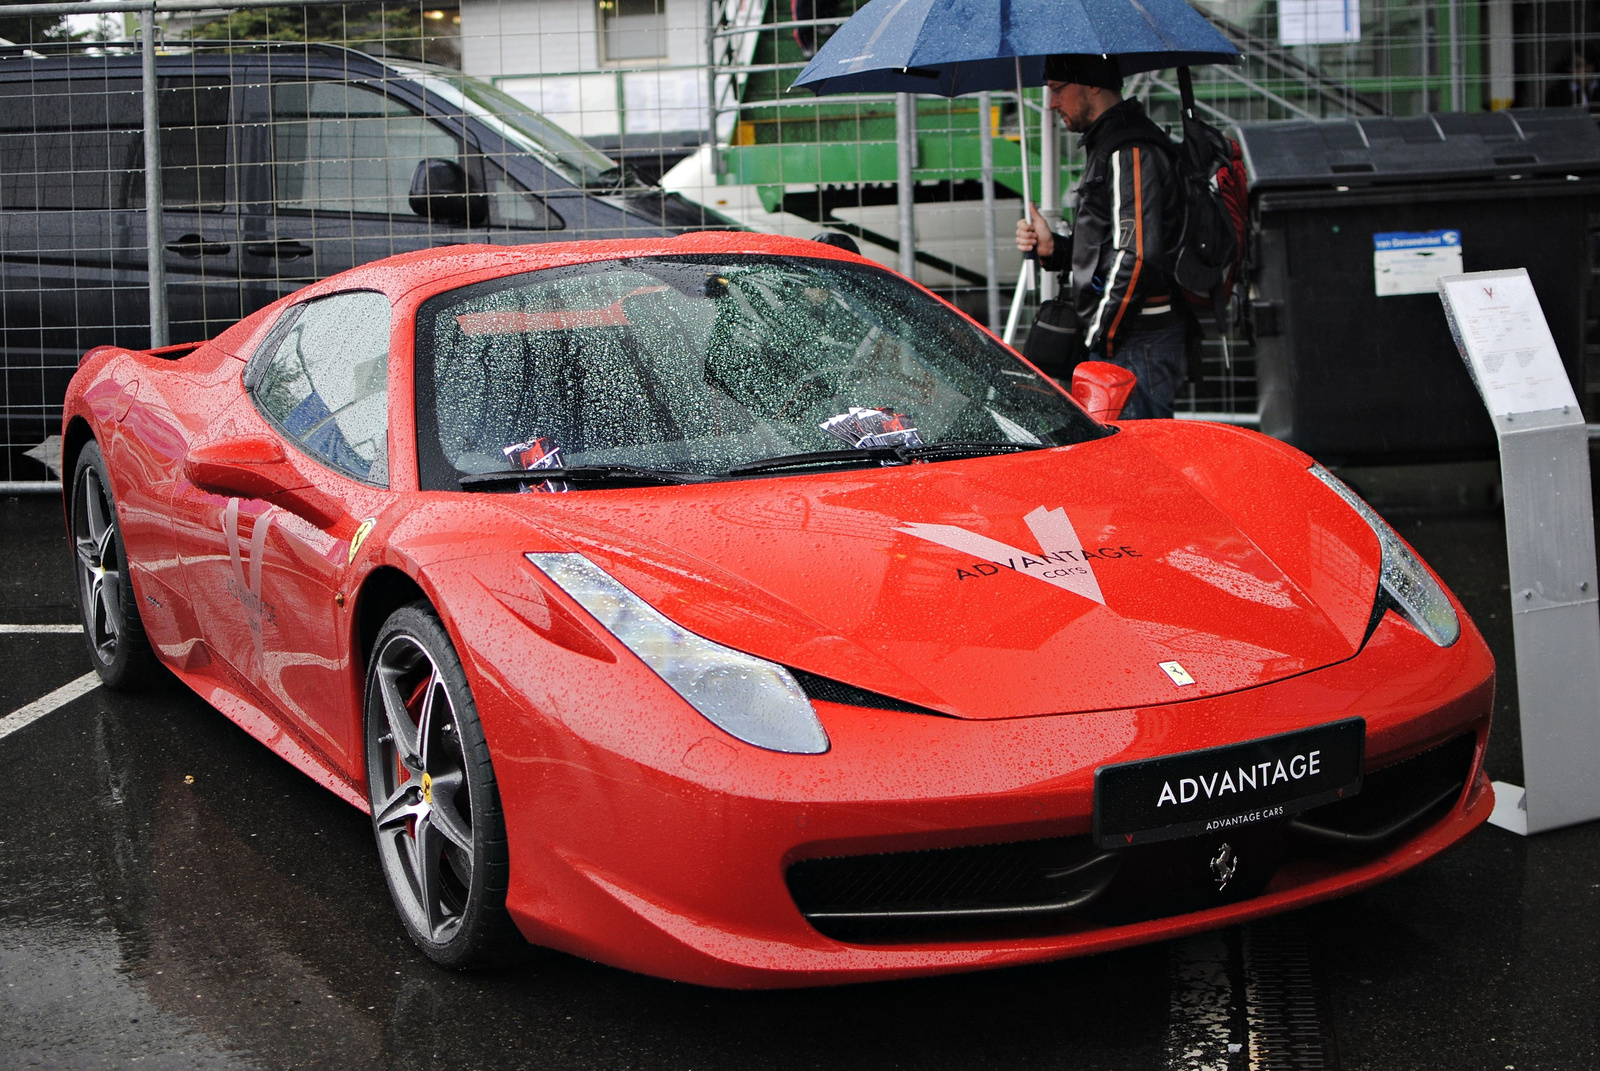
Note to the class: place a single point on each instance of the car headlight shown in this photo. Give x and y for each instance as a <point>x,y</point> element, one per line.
<point>1404,583</point>
<point>747,697</point>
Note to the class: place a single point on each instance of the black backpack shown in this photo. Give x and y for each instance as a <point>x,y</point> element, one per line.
<point>1207,255</point>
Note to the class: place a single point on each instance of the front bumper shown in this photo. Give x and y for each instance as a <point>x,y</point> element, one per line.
<point>643,838</point>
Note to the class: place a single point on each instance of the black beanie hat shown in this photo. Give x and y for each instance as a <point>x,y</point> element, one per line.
<point>1084,69</point>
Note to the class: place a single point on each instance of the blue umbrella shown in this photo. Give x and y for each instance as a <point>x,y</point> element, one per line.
<point>953,47</point>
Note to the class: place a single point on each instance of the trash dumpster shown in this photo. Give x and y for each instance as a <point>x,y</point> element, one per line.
<point>1354,219</point>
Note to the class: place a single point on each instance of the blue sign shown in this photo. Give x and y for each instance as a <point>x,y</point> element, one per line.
<point>1417,240</point>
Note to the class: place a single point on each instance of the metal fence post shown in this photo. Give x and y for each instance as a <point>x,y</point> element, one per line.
<point>905,135</point>
<point>991,259</point>
<point>157,265</point>
<point>1049,186</point>
<point>1457,86</point>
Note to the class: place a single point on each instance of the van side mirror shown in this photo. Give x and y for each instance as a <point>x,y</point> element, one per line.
<point>254,466</point>
<point>441,193</point>
<point>1102,388</point>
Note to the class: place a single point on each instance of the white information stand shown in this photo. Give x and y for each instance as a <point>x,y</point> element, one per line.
<point>1501,331</point>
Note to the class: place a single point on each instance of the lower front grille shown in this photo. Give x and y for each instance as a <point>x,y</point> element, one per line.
<point>1066,883</point>
<point>1394,799</point>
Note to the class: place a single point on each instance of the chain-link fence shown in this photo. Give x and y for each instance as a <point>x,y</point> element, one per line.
<point>294,142</point>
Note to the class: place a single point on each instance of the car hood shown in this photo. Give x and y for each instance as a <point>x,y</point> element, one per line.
<point>1097,576</point>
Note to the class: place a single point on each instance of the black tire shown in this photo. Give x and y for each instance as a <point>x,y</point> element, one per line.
<point>436,810</point>
<point>112,627</point>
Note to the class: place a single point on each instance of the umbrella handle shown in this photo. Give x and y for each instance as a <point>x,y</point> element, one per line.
<point>1186,92</point>
<point>1023,282</point>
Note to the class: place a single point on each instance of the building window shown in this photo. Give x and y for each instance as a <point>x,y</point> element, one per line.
<point>632,30</point>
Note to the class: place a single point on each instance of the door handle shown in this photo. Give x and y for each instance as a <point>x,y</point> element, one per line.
<point>192,245</point>
<point>284,249</point>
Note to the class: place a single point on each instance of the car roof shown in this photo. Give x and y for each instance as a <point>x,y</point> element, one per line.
<point>449,267</point>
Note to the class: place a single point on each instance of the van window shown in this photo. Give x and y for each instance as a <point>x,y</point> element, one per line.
<point>78,143</point>
<point>512,206</point>
<point>339,147</point>
<point>194,143</point>
<point>323,380</point>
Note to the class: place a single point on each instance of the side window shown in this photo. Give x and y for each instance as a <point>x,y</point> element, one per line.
<point>338,147</point>
<point>78,143</point>
<point>70,143</point>
<point>512,206</point>
<point>194,143</point>
<point>322,377</point>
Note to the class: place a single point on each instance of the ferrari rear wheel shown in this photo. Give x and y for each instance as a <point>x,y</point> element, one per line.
<point>435,806</point>
<point>117,644</point>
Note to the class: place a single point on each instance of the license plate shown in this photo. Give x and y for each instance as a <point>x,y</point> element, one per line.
<point>1222,788</point>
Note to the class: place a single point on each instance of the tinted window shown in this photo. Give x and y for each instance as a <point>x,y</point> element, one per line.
<point>345,148</point>
<point>322,377</point>
<point>511,205</point>
<point>194,143</point>
<point>79,143</point>
<point>699,364</point>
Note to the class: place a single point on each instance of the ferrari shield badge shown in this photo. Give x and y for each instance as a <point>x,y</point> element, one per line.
<point>1175,670</point>
<point>364,530</point>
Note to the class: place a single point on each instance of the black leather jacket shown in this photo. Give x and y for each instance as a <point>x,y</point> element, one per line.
<point>1119,268</point>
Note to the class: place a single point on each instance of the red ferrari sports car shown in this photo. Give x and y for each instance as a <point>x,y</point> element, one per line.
<point>731,609</point>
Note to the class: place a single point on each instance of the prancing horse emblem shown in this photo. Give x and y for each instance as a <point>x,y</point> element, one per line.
<point>1224,867</point>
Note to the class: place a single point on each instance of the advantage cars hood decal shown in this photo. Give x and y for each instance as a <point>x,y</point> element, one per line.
<point>1060,559</point>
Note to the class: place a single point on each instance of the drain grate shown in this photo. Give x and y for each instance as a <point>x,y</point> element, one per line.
<point>1285,1005</point>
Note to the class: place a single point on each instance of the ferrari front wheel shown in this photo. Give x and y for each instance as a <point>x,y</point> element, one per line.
<point>435,807</point>
<point>117,644</point>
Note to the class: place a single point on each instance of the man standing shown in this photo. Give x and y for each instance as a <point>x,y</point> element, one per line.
<point>1126,209</point>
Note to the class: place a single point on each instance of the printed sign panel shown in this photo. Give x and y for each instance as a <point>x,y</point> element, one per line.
<point>1410,262</point>
<point>1223,788</point>
<point>1319,22</point>
<point>1500,329</point>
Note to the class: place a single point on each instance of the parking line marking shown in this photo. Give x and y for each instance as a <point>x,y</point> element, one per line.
<point>25,716</point>
<point>40,630</point>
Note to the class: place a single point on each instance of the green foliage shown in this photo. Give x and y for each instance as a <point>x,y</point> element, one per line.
<point>36,29</point>
<point>380,28</point>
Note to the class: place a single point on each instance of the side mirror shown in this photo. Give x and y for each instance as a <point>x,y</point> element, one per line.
<point>1102,388</point>
<point>254,466</point>
<point>441,193</point>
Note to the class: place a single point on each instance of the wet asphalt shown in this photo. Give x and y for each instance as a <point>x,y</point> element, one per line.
<point>174,896</point>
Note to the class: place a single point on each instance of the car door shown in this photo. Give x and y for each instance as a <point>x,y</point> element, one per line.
<point>330,166</point>
<point>266,583</point>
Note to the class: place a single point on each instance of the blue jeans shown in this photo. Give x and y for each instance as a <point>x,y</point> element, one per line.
<point>1160,359</point>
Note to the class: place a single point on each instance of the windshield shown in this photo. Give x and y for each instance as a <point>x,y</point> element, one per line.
<point>569,155</point>
<point>701,365</point>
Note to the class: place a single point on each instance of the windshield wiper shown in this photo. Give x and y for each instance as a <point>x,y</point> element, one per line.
<point>618,475</point>
<point>885,455</point>
<point>971,449</point>
<point>621,177</point>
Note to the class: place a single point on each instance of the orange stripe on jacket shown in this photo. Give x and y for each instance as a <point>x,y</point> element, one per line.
<point>1138,249</point>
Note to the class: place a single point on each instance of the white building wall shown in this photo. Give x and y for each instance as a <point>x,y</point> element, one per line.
<point>531,37</point>
<point>506,37</point>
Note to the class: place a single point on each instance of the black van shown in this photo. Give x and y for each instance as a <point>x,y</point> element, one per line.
<point>281,164</point>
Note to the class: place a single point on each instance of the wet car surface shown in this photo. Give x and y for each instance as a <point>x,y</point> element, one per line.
<point>235,920</point>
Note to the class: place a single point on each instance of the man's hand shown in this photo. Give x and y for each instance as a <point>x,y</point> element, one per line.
<point>1035,235</point>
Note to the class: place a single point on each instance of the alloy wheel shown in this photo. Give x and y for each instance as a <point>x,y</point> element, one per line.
<point>100,567</point>
<point>421,800</point>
